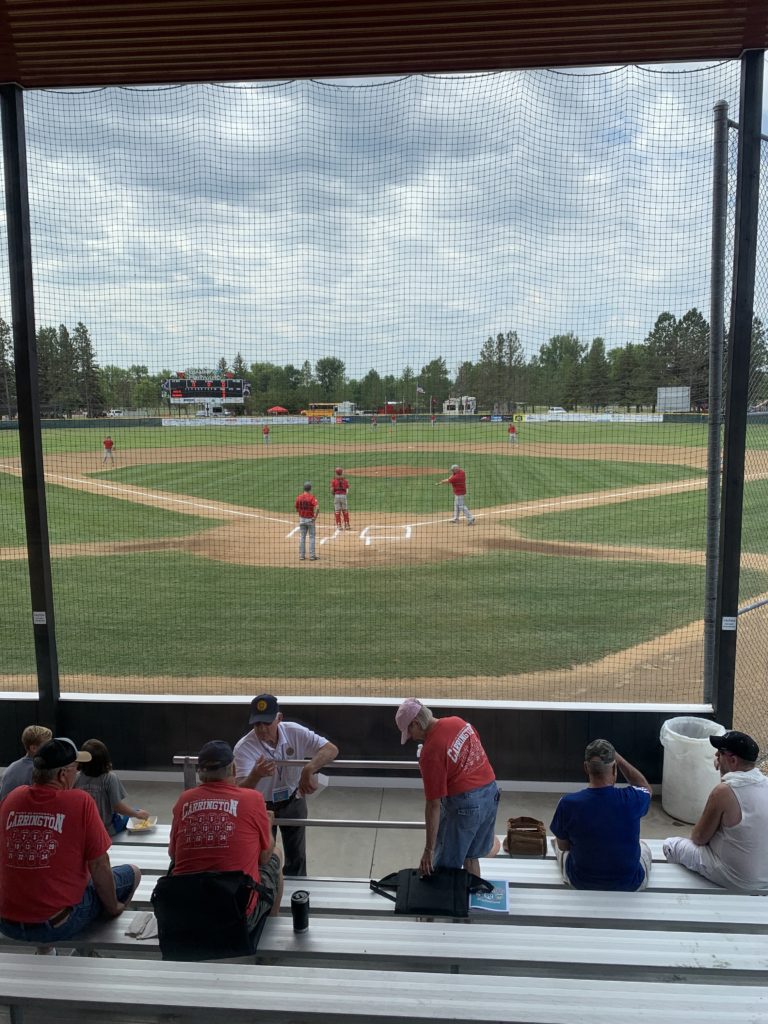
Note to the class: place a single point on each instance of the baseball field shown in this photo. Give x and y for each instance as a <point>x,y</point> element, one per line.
<point>176,567</point>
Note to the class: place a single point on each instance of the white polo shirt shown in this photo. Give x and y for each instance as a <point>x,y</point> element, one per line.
<point>294,742</point>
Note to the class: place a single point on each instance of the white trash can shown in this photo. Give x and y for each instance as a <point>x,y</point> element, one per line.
<point>689,774</point>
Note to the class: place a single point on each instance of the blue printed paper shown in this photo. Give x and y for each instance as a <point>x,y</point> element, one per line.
<point>497,901</point>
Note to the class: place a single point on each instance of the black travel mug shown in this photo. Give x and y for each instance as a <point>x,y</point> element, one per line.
<point>300,910</point>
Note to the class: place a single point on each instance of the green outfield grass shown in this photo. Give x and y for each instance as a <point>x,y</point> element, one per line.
<point>273,484</point>
<point>506,612</point>
<point>671,521</point>
<point>85,439</point>
<point>500,613</point>
<point>76,516</point>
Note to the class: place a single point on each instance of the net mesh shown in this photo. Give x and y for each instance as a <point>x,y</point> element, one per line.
<point>750,704</point>
<point>435,258</point>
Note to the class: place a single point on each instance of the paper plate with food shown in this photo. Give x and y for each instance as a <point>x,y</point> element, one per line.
<point>142,824</point>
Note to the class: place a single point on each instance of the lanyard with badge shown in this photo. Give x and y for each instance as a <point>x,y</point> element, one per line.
<point>280,791</point>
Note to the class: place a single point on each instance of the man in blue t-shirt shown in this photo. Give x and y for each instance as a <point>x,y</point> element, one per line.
<point>597,830</point>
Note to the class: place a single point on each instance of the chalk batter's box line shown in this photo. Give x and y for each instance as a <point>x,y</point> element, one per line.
<point>404,532</point>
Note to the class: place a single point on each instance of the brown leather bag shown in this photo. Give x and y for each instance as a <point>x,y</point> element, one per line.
<point>526,837</point>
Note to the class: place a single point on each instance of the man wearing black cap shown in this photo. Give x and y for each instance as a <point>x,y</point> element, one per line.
<point>55,874</point>
<point>217,826</point>
<point>283,787</point>
<point>728,843</point>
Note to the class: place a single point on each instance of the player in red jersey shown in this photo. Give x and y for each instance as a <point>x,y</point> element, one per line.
<point>339,488</point>
<point>307,507</point>
<point>108,445</point>
<point>458,481</point>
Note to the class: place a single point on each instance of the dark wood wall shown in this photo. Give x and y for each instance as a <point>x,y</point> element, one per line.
<point>533,745</point>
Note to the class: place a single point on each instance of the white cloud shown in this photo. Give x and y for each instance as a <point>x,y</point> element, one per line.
<point>383,223</point>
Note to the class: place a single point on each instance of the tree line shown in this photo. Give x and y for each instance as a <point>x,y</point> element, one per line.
<point>565,372</point>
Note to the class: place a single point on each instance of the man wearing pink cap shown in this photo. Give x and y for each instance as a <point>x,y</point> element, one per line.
<point>459,785</point>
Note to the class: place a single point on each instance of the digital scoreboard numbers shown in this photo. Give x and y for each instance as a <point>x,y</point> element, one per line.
<point>192,390</point>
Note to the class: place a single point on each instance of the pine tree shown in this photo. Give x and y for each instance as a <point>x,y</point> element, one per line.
<point>7,379</point>
<point>90,394</point>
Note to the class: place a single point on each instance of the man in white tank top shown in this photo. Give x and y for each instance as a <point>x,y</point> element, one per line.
<point>729,842</point>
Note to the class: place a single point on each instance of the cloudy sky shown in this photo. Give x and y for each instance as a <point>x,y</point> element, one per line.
<point>385,222</point>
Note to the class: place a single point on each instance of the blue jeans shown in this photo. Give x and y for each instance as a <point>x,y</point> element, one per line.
<point>89,909</point>
<point>467,826</point>
<point>306,526</point>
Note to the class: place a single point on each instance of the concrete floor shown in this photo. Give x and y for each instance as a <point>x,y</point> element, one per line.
<point>372,853</point>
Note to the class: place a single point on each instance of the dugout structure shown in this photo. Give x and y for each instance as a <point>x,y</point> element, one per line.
<point>439,575</point>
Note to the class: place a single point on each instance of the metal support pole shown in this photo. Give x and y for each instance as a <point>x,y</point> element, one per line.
<point>25,358</point>
<point>716,341</point>
<point>745,252</point>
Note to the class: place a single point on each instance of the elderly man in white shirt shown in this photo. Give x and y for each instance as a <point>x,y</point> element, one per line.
<point>283,787</point>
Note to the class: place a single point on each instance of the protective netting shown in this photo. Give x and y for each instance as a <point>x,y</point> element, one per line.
<point>751,692</point>
<point>469,248</point>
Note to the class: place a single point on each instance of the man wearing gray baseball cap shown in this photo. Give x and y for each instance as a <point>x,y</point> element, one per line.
<point>728,842</point>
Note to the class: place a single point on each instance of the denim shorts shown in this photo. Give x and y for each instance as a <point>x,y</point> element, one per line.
<point>467,826</point>
<point>89,909</point>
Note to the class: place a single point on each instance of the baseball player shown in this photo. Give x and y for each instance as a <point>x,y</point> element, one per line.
<point>374,422</point>
<point>339,488</point>
<point>307,507</point>
<point>458,481</point>
<point>265,433</point>
<point>108,444</point>
<point>512,433</point>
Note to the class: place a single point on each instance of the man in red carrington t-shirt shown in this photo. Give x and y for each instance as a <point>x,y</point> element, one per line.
<point>55,874</point>
<point>307,507</point>
<point>459,785</point>
<point>218,826</point>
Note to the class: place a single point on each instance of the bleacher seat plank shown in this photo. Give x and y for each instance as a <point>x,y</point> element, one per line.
<point>427,944</point>
<point>414,944</point>
<point>232,992</point>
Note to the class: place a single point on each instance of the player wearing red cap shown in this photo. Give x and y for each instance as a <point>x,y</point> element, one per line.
<point>339,488</point>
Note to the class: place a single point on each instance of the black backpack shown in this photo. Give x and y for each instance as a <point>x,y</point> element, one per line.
<point>203,916</point>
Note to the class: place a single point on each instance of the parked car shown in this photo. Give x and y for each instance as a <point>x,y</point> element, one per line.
<point>116,412</point>
<point>556,410</point>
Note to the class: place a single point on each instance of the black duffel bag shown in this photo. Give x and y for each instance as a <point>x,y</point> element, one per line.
<point>444,893</point>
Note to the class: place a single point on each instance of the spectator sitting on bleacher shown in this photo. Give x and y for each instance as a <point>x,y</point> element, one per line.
<point>597,829</point>
<point>97,778</point>
<point>728,843</point>
<point>219,826</point>
<point>459,785</point>
<point>19,772</point>
<point>55,874</point>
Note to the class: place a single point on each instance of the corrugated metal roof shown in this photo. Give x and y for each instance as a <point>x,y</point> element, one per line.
<point>109,42</point>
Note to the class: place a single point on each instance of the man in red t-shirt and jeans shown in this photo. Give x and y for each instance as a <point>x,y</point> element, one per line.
<point>219,826</point>
<point>55,874</point>
<point>459,785</point>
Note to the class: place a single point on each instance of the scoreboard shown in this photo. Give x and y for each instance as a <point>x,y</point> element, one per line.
<point>192,390</point>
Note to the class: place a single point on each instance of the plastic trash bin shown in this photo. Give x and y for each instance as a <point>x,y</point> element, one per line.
<point>689,774</point>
